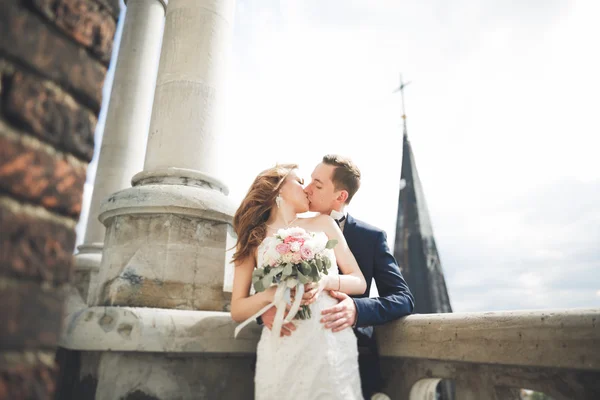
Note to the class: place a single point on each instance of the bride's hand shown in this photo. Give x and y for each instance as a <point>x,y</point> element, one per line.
<point>312,290</point>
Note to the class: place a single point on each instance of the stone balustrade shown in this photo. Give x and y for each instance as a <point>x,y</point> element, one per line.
<point>487,355</point>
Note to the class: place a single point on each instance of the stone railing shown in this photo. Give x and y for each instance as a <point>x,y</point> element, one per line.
<point>491,355</point>
<point>487,355</point>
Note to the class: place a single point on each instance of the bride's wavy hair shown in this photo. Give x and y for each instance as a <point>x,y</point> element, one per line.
<point>249,221</point>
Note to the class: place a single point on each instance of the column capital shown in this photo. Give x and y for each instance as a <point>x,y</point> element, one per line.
<point>179,176</point>
<point>187,200</point>
<point>164,3</point>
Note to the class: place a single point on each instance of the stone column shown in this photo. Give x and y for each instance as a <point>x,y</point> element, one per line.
<point>127,122</point>
<point>166,236</point>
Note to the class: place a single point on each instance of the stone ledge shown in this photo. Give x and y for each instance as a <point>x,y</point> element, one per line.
<point>156,330</point>
<point>184,200</point>
<point>568,338</point>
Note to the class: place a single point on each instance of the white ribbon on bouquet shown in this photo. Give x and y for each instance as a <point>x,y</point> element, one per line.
<point>280,301</point>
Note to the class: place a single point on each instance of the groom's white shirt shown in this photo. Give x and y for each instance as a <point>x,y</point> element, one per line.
<point>338,215</point>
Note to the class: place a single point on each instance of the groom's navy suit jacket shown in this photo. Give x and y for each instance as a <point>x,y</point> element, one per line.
<point>369,246</point>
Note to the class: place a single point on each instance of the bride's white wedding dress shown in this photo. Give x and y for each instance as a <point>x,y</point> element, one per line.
<point>313,363</point>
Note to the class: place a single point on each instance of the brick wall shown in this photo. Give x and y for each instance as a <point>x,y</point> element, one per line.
<point>53,60</point>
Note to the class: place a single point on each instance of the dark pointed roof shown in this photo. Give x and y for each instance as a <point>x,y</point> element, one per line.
<point>415,247</point>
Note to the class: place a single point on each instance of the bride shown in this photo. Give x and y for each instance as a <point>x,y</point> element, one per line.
<point>313,362</point>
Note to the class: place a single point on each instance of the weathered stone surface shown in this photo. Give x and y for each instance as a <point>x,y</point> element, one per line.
<point>51,114</point>
<point>403,376</point>
<point>33,245</point>
<point>27,375</point>
<point>162,377</point>
<point>31,314</point>
<point>34,171</point>
<point>154,330</point>
<point>546,338</point>
<point>164,261</point>
<point>84,21</point>
<point>26,39</point>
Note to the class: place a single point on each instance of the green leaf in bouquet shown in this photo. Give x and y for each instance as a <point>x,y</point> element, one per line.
<point>266,282</point>
<point>302,278</point>
<point>327,262</point>
<point>314,272</point>
<point>258,286</point>
<point>287,271</point>
<point>319,264</point>
<point>331,244</point>
<point>268,279</point>
<point>257,272</point>
<point>305,268</point>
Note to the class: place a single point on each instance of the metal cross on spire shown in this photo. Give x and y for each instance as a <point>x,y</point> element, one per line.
<point>401,90</point>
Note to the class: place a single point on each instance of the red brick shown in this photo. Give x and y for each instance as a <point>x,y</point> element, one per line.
<point>34,247</point>
<point>31,171</point>
<point>112,6</point>
<point>25,38</point>
<point>22,378</point>
<point>31,315</point>
<point>84,21</point>
<point>51,114</point>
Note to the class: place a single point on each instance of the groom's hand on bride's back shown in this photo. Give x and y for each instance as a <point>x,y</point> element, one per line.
<point>340,316</point>
<point>269,316</point>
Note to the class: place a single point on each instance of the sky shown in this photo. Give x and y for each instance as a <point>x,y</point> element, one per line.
<point>501,113</point>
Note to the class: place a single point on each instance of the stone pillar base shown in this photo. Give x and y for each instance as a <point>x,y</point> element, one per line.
<point>146,353</point>
<point>166,241</point>
<point>164,377</point>
<point>87,265</point>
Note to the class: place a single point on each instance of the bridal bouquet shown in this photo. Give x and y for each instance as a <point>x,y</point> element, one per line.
<point>295,257</point>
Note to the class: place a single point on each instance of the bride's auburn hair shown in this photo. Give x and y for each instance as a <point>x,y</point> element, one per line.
<point>249,221</point>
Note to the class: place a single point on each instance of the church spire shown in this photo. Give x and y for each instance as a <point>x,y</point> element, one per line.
<point>401,90</point>
<point>415,247</point>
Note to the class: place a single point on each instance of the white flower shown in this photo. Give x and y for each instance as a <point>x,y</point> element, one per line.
<point>295,231</point>
<point>317,243</point>
<point>286,258</point>
<point>271,256</point>
<point>295,246</point>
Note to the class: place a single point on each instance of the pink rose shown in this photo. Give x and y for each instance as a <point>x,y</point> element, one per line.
<point>296,258</point>
<point>282,248</point>
<point>291,239</point>
<point>306,253</point>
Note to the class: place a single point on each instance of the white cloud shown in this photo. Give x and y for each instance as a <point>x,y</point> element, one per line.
<point>500,109</point>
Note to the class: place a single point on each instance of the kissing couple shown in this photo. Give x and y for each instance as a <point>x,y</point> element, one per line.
<point>314,357</point>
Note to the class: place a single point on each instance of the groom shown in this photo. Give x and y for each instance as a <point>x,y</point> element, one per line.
<point>334,182</point>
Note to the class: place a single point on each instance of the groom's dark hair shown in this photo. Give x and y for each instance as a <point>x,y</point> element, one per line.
<point>346,175</point>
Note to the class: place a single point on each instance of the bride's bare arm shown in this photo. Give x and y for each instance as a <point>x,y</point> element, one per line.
<point>352,281</point>
<point>243,306</point>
